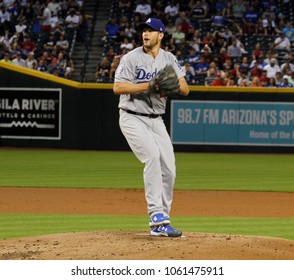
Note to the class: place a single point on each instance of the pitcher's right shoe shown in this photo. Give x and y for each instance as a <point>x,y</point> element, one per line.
<point>165,230</point>
<point>159,219</point>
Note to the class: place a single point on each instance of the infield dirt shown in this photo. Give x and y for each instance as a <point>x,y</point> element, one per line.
<point>140,245</point>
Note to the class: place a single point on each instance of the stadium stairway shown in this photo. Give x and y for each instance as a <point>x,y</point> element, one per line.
<point>85,56</point>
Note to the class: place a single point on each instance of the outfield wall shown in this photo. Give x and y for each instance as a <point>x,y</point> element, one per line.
<point>40,110</point>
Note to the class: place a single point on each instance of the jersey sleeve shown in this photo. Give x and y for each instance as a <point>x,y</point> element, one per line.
<point>124,71</point>
<point>177,66</point>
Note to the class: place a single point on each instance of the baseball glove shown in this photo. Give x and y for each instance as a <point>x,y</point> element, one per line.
<point>165,83</point>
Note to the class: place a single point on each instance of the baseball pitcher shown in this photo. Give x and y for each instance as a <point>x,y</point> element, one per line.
<point>144,79</point>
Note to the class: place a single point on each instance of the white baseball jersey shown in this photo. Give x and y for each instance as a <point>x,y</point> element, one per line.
<point>139,67</point>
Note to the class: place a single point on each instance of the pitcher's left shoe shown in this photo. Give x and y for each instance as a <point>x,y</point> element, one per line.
<point>165,230</point>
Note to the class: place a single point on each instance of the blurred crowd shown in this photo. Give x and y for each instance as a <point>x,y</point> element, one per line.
<point>219,43</point>
<point>39,34</point>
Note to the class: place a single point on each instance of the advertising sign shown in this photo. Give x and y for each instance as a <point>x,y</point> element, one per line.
<point>232,123</point>
<point>30,113</point>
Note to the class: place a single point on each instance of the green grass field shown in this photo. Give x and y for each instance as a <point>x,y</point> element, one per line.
<point>93,169</point>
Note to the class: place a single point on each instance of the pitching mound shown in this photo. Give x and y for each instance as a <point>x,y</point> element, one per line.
<point>107,245</point>
<point>133,245</point>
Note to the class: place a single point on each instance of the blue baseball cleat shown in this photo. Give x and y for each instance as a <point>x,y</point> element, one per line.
<point>165,230</point>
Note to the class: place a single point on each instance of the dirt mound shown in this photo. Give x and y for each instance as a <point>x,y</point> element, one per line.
<point>139,245</point>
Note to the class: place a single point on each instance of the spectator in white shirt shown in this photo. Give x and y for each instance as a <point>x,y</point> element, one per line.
<point>172,9</point>
<point>126,44</point>
<point>143,9</point>
<point>271,69</point>
<point>282,43</point>
<point>18,60</point>
<point>72,20</point>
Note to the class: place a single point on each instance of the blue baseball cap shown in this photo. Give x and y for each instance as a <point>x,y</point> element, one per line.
<point>153,23</point>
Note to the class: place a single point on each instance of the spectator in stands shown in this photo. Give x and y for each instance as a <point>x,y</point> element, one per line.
<point>50,44</point>
<point>271,83</point>
<point>62,44</point>
<point>111,29</point>
<point>227,65</point>
<point>235,72</point>
<point>172,10</point>
<point>220,5</point>
<point>234,50</point>
<point>184,21</point>
<point>282,42</point>
<point>250,19</point>
<point>217,20</point>
<point>222,56</point>
<point>263,78</point>
<point>69,69</point>
<point>126,44</point>
<point>271,69</point>
<point>257,52</point>
<point>48,61</point>
<point>6,58</point>
<point>268,26</point>
<point>45,18</point>
<point>208,40</point>
<point>179,36</point>
<point>180,57</point>
<point>25,11</point>
<point>291,78</point>
<point>113,66</point>
<point>127,31</point>
<point>270,55</point>
<point>197,12</point>
<point>31,62</point>
<point>287,64</point>
<point>255,82</point>
<point>55,8</point>
<point>28,45</point>
<point>21,28</point>
<point>72,20</point>
<point>202,66</point>
<point>228,11</point>
<point>207,54</point>
<point>18,60</point>
<point>37,8</point>
<point>5,20</point>
<point>227,34</point>
<point>243,81</point>
<point>289,31</point>
<point>195,41</point>
<point>255,71</point>
<point>102,71</point>
<point>237,37</point>
<point>285,83</point>
<point>211,74</point>
<point>193,58</point>
<point>158,10</point>
<point>143,9</point>
<point>41,66</point>
<point>238,9</point>
<point>244,66</point>
<point>219,81</point>
<point>190,74</point>
<point>57,30</point>
<point>278,78</point>
<point>219,41</point>
<point>169,29</point>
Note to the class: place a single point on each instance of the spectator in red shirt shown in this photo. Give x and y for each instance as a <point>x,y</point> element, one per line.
<point>255,71</point>
<point>28,44</point>
<point>219,81</point>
